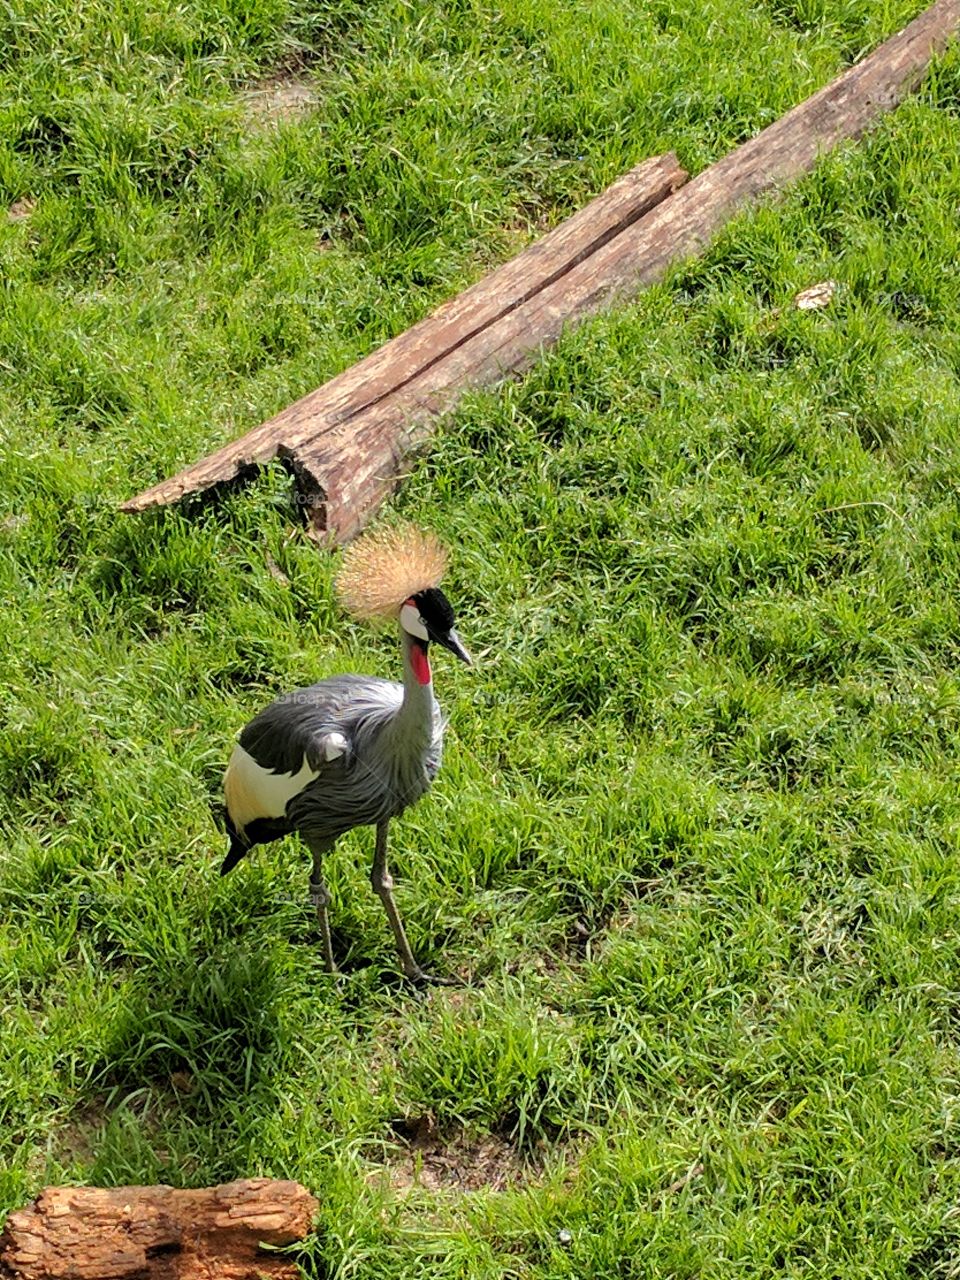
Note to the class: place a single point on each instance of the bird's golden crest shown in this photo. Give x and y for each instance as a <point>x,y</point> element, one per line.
<point>387,566</point>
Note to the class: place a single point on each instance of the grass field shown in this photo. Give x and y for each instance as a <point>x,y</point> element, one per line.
<point>695,839</point>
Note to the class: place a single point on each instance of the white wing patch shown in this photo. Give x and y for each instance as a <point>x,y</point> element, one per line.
<point>254,792</point>
<point>335,745</point>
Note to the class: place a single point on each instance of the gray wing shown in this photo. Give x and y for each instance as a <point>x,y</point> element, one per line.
<point>301,723</point>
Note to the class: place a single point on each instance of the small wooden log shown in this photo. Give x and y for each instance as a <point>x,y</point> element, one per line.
<point>348,441</point>
<point>157,1233</point>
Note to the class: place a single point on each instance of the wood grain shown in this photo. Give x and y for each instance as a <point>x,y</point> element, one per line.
<point>459,323</point>
<point>348,442</point>
<point>157,1233</point>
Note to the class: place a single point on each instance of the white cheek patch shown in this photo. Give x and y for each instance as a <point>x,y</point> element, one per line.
<point>412,623</point>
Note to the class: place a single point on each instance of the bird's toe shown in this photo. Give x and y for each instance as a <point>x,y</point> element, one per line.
<point>424,978</point>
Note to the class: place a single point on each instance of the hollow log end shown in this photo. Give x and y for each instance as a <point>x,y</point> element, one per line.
<point>309,493</point>
<point>311,496</point>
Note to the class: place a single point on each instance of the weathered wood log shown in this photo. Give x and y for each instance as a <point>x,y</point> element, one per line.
<point>157,1233</point>
<point>348,441</point>
<point>295,433</point>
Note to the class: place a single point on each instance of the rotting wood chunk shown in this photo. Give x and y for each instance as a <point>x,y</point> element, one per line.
<point>157,1233</point>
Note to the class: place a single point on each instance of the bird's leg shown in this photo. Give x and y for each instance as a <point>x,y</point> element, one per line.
<point>382,882</point>
<point>320,897</point>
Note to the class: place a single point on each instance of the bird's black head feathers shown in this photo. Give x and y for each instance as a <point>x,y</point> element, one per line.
<point>436,615</point>
<point>435,610</point>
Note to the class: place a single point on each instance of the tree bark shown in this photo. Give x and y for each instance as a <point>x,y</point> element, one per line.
<point>157,1233</point>
<point>347,442</point>
<point>296,434</point>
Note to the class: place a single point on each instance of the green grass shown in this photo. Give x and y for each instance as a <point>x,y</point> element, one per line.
<point>696,834</point>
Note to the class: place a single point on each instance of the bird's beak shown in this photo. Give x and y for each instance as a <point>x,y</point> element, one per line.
<point>450,640</point>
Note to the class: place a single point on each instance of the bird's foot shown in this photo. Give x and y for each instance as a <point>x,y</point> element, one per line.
<point>424,978</point>
<point>338,980</point>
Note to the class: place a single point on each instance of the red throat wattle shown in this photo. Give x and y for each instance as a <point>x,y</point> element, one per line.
<point>420,662</point>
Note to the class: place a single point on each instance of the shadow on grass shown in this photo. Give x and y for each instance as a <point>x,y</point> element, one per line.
<point>201,1038</point>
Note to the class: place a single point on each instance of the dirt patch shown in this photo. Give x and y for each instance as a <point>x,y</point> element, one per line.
<point>75,1139</point>
<point>78,1138</point>
<point>21,209</point>
<point>591,923</point>
<point>530,220</point>
<point>424,1158</point>
<point>274,101</point>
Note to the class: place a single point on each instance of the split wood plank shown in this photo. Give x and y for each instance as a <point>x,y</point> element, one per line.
<point>157,1233</point>
<point>453,325</point>
<point>348,442</point>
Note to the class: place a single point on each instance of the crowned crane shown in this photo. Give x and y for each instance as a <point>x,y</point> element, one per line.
<point>352,750</point>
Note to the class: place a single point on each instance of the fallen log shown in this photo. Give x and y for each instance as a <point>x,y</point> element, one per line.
<point>297,433</point>
<point>157,1233</point>
<point>347,442</point>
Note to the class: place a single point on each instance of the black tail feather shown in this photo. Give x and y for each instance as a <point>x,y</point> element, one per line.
<point>260,831</point>
<point>236,851</point>
<point>238,846</point>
